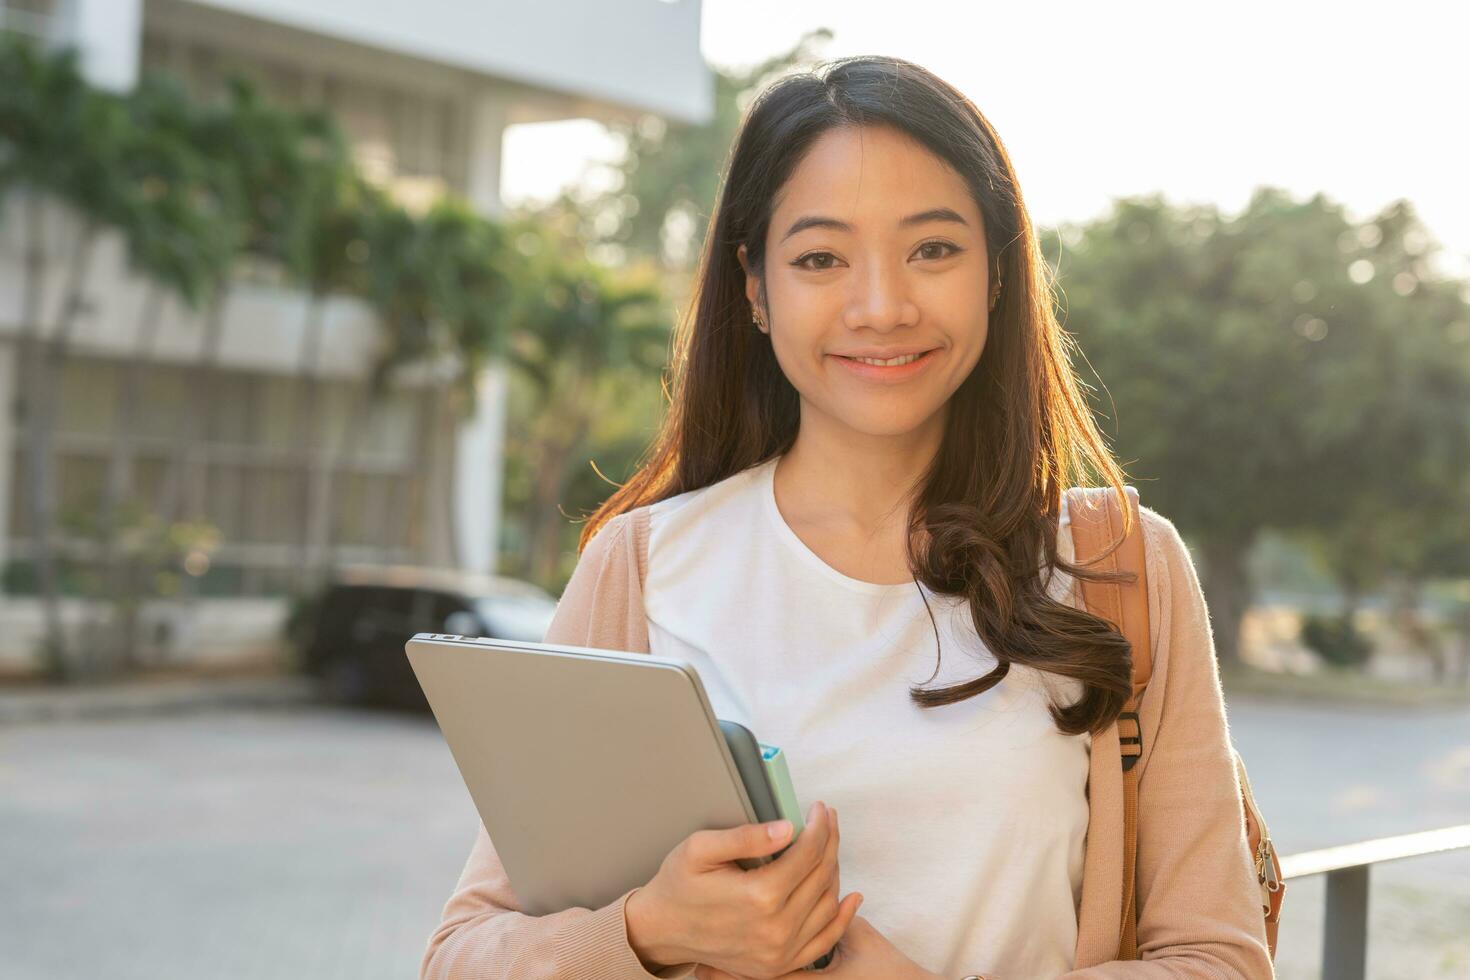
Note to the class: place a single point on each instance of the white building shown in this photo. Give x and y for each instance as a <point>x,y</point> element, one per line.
<point>425,92</point>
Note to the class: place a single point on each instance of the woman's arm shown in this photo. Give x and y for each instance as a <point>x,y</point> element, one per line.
<point>483,934</point>
<point>1199,903</point>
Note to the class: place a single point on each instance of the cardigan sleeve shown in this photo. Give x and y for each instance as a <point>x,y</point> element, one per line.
<point>1198,900</point>
<point>483,934</point>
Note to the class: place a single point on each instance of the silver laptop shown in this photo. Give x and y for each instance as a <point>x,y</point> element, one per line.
<point>587,766</point>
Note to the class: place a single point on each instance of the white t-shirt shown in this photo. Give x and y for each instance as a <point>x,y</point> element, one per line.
<point>963,826</point>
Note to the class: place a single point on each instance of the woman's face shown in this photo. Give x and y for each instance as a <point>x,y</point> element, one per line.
<point>875,248</point>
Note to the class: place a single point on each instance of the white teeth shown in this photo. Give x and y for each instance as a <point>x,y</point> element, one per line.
<point>891,362</point>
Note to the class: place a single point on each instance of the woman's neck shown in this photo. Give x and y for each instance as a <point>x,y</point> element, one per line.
<point>863,483</point>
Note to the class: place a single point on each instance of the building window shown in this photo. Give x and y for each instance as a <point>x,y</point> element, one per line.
<point>250,467</point>
<point>32,18</point>
<point>396,134</point>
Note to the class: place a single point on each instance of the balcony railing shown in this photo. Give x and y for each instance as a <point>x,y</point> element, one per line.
<point>1345,929</point>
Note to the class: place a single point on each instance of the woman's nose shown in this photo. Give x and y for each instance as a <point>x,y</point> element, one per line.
<point>879,297</point>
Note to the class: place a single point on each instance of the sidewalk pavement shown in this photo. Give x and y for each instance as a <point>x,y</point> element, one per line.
<point>35,703</point>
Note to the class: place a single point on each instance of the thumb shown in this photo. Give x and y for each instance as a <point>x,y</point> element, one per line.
<point>749,840</point>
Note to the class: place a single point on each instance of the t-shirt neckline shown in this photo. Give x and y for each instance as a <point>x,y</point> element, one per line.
<point>766,480</point>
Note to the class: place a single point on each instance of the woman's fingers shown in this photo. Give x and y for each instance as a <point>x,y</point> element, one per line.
<point>827,911</point>
<point>827,938</point>
<point>804,854</point>
<point>823,912</point>
<point>808,873</point>
<point>822,877</point>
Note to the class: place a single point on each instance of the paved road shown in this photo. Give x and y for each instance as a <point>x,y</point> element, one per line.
<point>314,843</point>
<point>1325,776</point>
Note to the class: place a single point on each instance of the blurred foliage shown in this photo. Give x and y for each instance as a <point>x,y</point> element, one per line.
<point>583,384</point>
<point>205,191</point>
<point>1284,368</point>
<point>664,183</point>
<point>1336,640</point>
<point>180,211</point>
<point>155,556</point>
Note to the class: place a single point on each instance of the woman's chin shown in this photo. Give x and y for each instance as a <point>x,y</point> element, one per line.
<point>874,421</point>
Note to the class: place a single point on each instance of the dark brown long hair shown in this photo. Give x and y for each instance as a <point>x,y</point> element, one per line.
<point>1018,432</point>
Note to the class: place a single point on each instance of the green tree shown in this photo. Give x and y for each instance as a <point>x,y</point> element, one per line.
<point>328,257</point>
<point>59,140</point>
<point>666,180</point>
<point>1403,481</point>
<point>587,339</point>
<point>271,156</point>
<point>194,188</point>
<point>440,287</point>
<point>180,225</point>
<point>1255,376</point>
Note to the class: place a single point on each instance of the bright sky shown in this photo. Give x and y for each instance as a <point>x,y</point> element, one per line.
<point>1094,101</point>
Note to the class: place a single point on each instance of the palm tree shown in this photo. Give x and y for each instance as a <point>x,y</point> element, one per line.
<point>62,139</point>
<point>396,285</point>
<point>182,232</point>
<point>334,260</point>
<point>471,292</point>
<point>442,293</point>
<point>582,328</point>
<point>264,153</point>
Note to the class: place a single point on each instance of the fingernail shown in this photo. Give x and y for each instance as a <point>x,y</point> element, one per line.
<point>778,829</point>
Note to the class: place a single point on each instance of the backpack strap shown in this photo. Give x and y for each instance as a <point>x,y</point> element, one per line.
<point>1097,521</point>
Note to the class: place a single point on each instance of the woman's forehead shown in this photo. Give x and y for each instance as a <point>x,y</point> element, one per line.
<point>870,176</point>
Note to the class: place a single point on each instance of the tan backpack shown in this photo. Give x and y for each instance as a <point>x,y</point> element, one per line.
<point>1096,522</point>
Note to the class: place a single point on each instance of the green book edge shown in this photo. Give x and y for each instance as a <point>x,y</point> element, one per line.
<point>779,778</point>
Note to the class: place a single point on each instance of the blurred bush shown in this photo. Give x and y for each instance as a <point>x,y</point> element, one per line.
<point>1336,640</point>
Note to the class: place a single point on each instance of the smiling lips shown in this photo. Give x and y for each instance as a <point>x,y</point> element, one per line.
<point>903,364</point>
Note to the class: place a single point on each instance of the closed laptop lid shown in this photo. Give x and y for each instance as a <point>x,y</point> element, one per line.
<point>587,766</point>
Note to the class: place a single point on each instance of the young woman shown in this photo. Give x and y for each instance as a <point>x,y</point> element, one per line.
<point>855,529</point>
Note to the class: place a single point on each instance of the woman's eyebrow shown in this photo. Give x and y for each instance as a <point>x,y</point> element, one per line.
<point>822,221</point>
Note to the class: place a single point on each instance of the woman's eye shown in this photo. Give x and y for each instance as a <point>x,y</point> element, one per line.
<point>822,261</point>
<point>802,262</point>
<point>952,249</point>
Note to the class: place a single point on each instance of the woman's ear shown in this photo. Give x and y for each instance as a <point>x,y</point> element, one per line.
<point>751,285</point>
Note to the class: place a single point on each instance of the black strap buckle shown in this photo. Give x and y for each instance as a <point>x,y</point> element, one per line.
<point>1131,742</point>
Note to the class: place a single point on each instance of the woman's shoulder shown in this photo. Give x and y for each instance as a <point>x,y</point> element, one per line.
<point>606,555</point>
<point>716,508</point>
<point>1163,544</point>
<point>596,608</point>
<point>1153,525</point>
<point>1168,565</point>
<point>625,539</point>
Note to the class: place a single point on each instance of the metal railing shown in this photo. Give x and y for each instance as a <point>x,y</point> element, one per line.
<point>1345,924</point>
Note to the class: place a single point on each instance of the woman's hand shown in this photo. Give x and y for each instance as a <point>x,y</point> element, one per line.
<point>863,953</point>
<point>702,907</point>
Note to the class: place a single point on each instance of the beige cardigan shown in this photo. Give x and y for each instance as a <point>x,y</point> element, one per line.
<point>1199,902</point>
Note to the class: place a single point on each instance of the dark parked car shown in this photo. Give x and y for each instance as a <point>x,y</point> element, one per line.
<point>350,635</point>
